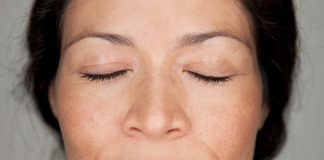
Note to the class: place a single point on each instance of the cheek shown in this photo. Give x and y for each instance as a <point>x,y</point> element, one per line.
<point>227,118</point>
<point>88,115</point>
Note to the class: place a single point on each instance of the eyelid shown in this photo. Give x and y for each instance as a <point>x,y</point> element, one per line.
<point>209,79</point>
<point>105,67</point>
<point>106,76</point>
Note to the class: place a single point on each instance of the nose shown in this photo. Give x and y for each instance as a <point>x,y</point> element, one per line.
<point>156,114</point>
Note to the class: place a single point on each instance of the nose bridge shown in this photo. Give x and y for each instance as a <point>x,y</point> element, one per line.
<point>158,84</point>
<point>159,90</point>
<point>156,111</point>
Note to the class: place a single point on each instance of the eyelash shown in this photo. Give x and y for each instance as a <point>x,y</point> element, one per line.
<point>110,76</point>
<point>209,79</point>
<point>103,77</point>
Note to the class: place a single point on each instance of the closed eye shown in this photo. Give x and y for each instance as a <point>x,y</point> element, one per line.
<point>209,79</point>
<point>114,75</point>
<point>103,77</point>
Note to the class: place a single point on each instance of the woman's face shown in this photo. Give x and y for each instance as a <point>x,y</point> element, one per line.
<point>153,80</point>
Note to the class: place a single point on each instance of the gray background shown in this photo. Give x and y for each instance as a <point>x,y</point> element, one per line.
<point>24,137</point>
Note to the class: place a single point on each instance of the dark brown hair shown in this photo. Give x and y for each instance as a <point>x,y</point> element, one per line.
<point>275,32</point>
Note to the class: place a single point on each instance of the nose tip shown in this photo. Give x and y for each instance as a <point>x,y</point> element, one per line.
<point>156,125</point>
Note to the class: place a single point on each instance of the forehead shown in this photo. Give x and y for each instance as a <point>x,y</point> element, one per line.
<point>149,19</point>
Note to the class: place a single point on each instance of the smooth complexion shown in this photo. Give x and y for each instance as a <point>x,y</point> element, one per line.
<point>156,80</point>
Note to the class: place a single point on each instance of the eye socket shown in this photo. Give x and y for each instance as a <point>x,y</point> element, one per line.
<point>103,77</point>
<point>209,79</point>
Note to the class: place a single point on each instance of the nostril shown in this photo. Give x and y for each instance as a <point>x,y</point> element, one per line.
<point>174,130</point>
<point>134,129</point>
<point>133,132</point>
<point>175,133</point>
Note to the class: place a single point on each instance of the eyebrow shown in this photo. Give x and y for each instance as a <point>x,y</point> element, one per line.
<point>186,40</point>
<point>192,39</point>
<point>112,38</point>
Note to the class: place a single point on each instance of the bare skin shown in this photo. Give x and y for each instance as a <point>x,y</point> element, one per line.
<point>158,106</point>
